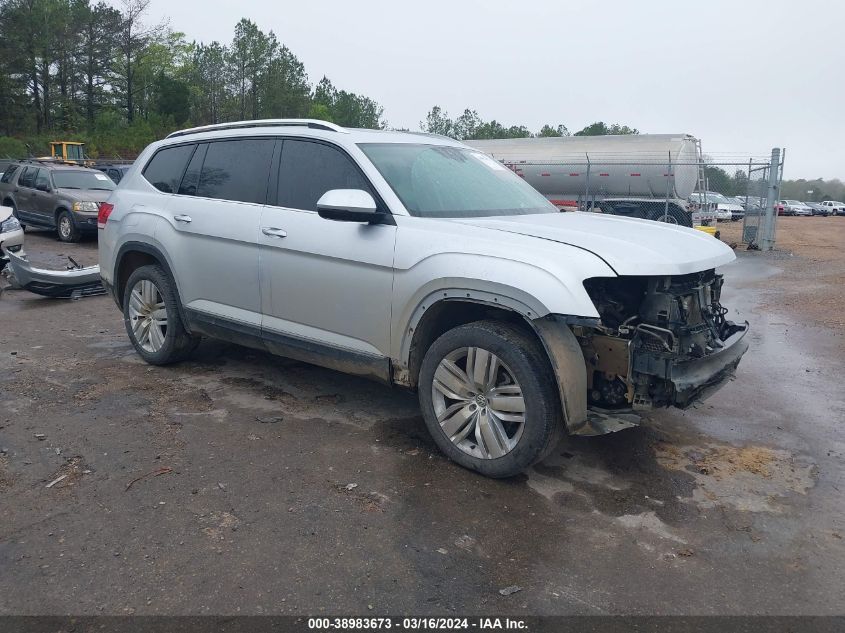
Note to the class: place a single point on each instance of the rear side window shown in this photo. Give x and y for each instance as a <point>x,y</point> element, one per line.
<point>10,171</point>
<point>27,178</point>
<point>164,171</point>
<point>307,170</point>
<point>43,179</point>
<point>236,170</point>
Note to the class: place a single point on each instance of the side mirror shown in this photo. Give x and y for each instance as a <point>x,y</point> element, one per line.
<point>347,205</point>
<point>42,187</point>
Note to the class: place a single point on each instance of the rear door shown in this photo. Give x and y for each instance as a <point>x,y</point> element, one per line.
<point>324,283</point>
<point>213,220</point>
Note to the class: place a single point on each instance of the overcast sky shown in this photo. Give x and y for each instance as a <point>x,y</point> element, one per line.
<point>744,76</point>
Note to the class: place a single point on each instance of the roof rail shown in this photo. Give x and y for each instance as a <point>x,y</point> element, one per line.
<point>312,123</point>
<point>51,160</point>
<point>429,134</point>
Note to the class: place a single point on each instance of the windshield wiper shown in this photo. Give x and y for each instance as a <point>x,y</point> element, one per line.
<point>100,189</point>
<point>68,187</point>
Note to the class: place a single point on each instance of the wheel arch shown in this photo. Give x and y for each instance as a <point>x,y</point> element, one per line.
<point>453,308</point>
<point>131,256</point>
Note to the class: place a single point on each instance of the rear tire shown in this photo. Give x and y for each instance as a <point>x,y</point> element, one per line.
<point>502,413</point>
<point>66,227</point>
<point>153,319</point>
<point>675,216</point>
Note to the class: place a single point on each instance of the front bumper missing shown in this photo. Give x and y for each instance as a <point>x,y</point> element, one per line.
<point>692,381</point>
<point>698,379</point>
<point>60,284</point>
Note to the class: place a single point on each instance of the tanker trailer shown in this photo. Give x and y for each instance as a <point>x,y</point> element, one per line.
<point>624,175</point>
<point>626,165</point>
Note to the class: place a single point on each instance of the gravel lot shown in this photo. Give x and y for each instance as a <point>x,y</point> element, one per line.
<point>243,483</point>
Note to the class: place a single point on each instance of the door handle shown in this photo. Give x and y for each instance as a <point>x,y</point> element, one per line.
<point>182,218</point>
<point>273,232</point>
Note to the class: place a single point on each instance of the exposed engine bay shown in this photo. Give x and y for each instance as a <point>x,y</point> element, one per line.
<point>663,341</point>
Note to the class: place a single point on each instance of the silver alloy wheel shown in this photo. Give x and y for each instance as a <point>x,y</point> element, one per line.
<point>478,402</point>
<point>148,315</point>
<point>64,227</point>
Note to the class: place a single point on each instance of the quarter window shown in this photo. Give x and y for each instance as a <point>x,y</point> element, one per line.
<point>164,171</point>
<point>10,171</point>
<point>236,170</point>
<point>307,170</point>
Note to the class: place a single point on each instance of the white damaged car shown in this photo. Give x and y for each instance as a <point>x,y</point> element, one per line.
<point>418,261</point>
<point>11,235</point>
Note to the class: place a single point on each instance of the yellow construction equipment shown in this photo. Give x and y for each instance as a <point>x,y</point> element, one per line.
<point>69,152</point>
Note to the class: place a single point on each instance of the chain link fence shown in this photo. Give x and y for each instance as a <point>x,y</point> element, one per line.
<point>663,178</point>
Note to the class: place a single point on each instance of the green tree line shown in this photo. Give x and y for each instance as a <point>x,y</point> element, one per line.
<point>470,126</point>
<point>738,184</point>
<point>83,70</point>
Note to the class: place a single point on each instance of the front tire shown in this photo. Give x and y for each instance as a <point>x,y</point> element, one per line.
<point>489,398</point>
<point>153,319</point>
<point>66,227</point>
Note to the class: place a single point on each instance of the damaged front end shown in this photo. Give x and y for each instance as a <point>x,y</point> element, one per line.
<point>663,341</point>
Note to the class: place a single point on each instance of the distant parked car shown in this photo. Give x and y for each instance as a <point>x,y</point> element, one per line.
<point>834,206</point>
<point>818,209</point>
<point>781,208</point>
<point>55,196</point>
<point>796,207</point>
<point>755,206</point>
<point>724,207</point>
<point>115,172</point>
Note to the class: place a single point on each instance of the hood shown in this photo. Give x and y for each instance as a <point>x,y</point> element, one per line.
<point>628,246</point>
<point>86,195</point>
<point>5,213</point>
<point>729,206</point>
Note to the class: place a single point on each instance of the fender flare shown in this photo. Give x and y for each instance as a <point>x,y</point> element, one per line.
<point>471,295</point>
<point>569,365</point>
<point>561,346</point>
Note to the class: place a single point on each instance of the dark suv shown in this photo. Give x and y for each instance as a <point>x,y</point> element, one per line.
<point>54,195</point>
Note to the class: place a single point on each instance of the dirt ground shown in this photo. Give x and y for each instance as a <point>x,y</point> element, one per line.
<point>811,252</point>
<point>242,483</point>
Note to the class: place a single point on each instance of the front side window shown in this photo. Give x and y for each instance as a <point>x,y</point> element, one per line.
<point>308,169</point>
<point>82,180</point>
<point>164,171</point>
<point>453,182</point>
<point>10,171</point>
<point>236,170</point>
<point>27,178</point>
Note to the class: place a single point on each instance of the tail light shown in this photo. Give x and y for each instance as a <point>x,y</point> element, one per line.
<point>103,215</point>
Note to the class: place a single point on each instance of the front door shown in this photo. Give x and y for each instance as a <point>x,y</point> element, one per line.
<point>325,285</point>
<point>43,198</point>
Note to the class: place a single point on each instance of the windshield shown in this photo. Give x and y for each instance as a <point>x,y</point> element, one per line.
<point>436,181</point>
<point>82,180</point>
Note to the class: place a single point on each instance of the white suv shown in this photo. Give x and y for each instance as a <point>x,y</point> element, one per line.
<point>420,262</point>
<point>834,206</point>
